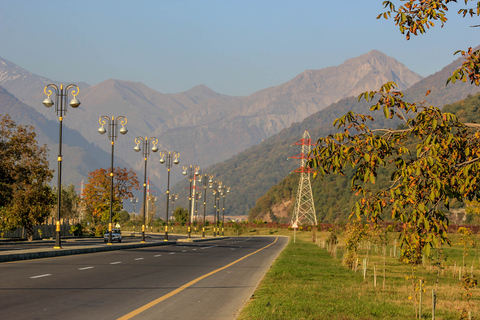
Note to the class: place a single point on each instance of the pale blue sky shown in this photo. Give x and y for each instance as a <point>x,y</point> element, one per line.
<point>233,47</point>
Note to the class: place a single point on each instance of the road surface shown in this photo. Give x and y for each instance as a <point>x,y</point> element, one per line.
<point>210,280</point>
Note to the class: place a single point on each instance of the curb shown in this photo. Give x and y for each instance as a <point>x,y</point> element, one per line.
<point>49,253</point>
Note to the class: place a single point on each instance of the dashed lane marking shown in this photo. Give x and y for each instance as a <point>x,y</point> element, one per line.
<point>41,276</point>
<point>85,268</point>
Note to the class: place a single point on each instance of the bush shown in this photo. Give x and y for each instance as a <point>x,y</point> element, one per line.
<point>76,230</point>
<point>100,230</point>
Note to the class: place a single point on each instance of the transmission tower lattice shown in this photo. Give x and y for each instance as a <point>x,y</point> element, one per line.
<point>304,208</point>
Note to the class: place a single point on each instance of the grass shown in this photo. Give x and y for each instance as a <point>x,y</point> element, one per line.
<point>306,282</point>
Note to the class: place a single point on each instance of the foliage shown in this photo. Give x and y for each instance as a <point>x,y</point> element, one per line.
<point>25,197</point>
<point>416,16</point>
<point>181,215</point>
<point>122,217</point>
<point>445,166</point>
<point>97,192</point>
<point>355,233</point>
<point>77,230</point>
<point>69,202</point>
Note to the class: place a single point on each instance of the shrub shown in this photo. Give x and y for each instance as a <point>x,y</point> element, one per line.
<point>76,230</point>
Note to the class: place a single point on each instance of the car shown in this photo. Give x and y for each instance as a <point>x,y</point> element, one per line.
<point>116,235</point>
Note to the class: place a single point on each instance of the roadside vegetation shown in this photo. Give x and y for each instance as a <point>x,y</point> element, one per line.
<point>313,278</point>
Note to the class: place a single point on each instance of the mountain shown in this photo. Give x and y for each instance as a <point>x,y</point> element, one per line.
<point>251,173</point>
<point>76,151</point>
<point>27,87</point>
<point>204,126</point>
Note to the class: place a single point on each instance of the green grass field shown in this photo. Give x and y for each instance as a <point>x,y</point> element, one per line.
<point>307,282</point>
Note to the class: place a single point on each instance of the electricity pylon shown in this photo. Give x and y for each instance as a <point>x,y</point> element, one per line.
<point>304,208</point>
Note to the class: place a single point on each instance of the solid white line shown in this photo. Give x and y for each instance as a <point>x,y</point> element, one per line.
<point>117,262</point>
<point>86,268</point>
<point>41,276</point>
<point>172,252</point>
<point>157,255</point>
<point>184,250</point>
<point>139,259</point>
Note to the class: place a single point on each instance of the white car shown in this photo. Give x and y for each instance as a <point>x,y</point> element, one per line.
<point>116,235</point>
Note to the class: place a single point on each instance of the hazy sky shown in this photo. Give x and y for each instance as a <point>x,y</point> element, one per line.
<point>233,47</point>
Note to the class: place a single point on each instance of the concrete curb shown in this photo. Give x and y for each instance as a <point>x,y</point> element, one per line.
<point>50,252</point>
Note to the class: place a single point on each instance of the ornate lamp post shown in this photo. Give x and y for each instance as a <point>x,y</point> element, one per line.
<point>61,109</point>
<point>169,158</point>
<point>225,190</point>
<point>190,171</point>
<point>146,152</point>
<point>216,187</point>
<point>112,126</point>
<point>205,179</point>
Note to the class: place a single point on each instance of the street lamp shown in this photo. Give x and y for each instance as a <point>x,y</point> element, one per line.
<point>112,126</point>
<point>205,179</point>
<point>169,158</point>
<point>225,190</point>
<point>190,171</point>
<point>172,197</point>
<point>216,187</point>
<point>61,109</point>
<point>146,152</point>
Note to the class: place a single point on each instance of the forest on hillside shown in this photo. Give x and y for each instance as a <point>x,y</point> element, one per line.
<point>332,195</point>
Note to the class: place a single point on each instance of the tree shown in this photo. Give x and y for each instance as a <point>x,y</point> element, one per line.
<point>25,197</point>
<point>444,163</point>
<point>181,215</point>
<point>70,202</point>
<point>97,192</point>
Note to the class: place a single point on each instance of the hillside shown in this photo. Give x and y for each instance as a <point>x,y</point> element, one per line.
<point>77,161</point>
<point>204,126</point>
<point>253,172</point>
<point>332,196</point>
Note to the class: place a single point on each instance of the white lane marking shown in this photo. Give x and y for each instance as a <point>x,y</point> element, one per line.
<point>172,252</point>
<point>116,262</point>
<point>138,259</point>
<point>157,255</point>
<point>41,276</point>
<point>209,247</point>
<point>184,250</point>
<point>86,268</point>
<point>194,249</point>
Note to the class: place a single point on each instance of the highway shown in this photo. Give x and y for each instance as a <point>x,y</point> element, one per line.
<point>199,280</point>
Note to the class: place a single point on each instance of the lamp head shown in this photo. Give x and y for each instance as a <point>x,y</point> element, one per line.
<point>102,130</point>
<point>48,102</point>
<point>162,160</point>
<point>137,148</point>
<point>176,161</point>
<point>74,103</point>
<point>184,172</point>
<point>154,148</point>
<point>123,130</point>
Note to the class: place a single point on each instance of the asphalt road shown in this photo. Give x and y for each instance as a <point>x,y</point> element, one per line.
<point>210,280</point>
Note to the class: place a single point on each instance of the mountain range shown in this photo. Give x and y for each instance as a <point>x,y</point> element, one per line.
<point>261,167</point>
<point>207,127</point>
<point>204,126</point>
